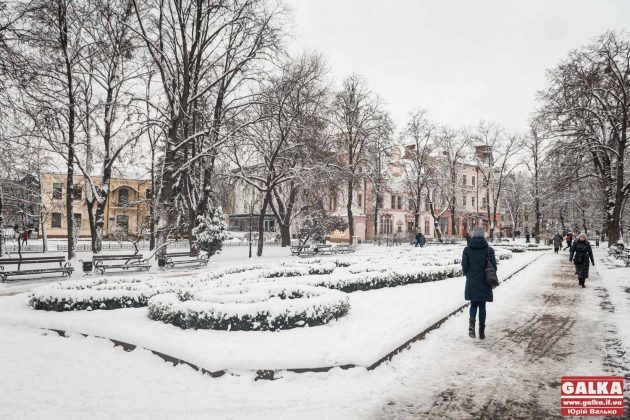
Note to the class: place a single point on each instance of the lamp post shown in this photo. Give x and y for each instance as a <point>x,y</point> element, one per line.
<point>251,212</point>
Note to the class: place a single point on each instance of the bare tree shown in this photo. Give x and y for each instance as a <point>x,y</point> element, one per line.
<point>204,53</point>
<point>272,155</point>
<point>418,141</point>
<point>453,145</point>
<point>357,117</point>
<point>587,109</point>
<point>496,161</point>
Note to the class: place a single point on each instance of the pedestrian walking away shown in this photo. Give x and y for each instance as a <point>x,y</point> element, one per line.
<point>420,239</point>
<point>467,236</point>
<point>569,240</point>
<point>24,237</point>
<point>557,243</point>
<point>474,260</point>
<point>581,253</point>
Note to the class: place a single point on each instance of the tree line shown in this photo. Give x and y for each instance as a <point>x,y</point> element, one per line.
<point>201,95</point>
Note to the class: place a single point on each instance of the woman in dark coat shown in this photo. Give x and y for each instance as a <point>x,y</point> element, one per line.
<point>477,291</point>
<point>581,252</point>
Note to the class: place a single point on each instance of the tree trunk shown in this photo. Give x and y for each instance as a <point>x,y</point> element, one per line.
<point>261,225</point>
<point>350,216</point>
<point>285,235</point>
<point>93,239</point>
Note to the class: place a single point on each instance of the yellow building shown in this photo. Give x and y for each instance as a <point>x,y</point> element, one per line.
<point>126,212</point>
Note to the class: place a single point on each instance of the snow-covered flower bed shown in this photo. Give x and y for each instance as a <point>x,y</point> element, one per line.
<point>266,306</point>
<point>97,294</point>
<point>349,282</point>
<point>518,248</point>
<point>115,293</point>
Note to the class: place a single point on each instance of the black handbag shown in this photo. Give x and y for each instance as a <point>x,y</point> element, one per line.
<point>491,273</point>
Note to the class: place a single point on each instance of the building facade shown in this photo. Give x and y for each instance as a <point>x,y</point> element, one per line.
<point>126,213</point>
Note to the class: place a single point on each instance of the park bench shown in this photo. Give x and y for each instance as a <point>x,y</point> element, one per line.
<point>65,269</point>
<point>124,262</point>
<point>344,249</point>
<point>324,250</point>
<point>302,250</point>
<point>192,257</point>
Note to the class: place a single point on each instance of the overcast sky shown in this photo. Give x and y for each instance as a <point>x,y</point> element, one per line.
<point>462,60</point>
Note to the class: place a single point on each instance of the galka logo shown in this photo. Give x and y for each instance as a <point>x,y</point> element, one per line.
<point>591,396</point>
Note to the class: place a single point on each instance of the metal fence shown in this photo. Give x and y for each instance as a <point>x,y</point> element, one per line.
<point>116,246</point>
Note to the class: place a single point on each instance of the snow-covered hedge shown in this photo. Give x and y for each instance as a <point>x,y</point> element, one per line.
<point>97,294</point>
<point>115,293</point>
<point>262,307</point>
<point>389,278</point>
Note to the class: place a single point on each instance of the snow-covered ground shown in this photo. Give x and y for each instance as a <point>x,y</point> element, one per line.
<point>45,375</point>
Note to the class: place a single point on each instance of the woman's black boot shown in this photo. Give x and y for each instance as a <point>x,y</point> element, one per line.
<point>471,327</point>
<point>482,332</point>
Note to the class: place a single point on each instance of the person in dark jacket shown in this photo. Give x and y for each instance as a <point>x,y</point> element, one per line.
<point>557,243</point>
<point>581,252</point>
<point>420,239</point>
<point>467,236</point>
<point>478,291</point>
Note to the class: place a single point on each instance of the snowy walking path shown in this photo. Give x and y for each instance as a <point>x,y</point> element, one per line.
<point>539,330</point>
<point>542,326</point>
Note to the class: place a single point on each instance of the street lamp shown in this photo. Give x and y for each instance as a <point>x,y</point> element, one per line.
<point>251,212</point>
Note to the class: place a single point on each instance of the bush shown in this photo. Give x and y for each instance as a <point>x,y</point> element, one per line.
<point>389,278</point>
<point>210,231</point>
<point>259,307</point>
<point>96,294</point>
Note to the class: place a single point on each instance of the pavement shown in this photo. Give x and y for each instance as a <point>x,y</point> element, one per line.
<point>542,331</point>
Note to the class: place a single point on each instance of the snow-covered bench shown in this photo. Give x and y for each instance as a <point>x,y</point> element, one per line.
<point>344,249</point>
<point>105,262</point>
<point>192,258</point>
<point>65,269</point>
<point>302,250</point>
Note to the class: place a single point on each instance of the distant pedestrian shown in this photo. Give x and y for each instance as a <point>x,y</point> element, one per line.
<point>527,237</point>
<point>569,239</point>
<point>581,252</point>
<point>474,259</point>
<point>557,243</point>
<point>467,236</point>
<point>24,237</point>
<point>420,239</point>
<point>396,239</point>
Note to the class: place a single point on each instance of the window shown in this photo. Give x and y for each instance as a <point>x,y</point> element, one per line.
<point>426,204</point>
<point>386,224</point>
<point>502,217</point>
<point>148,193</point>
<point>332,202</point>
<point>484,202</point>
<point>55,220</point>
<point>397,202</point>
<point>359,200</point>
<point>473,201</point>
<point>123,197</point>
<point>426,227</point>
<point>464,180</point>
<point>464,201</point>
<point>269,225</point>
<point>410,227</point>
<point>57,191</point>
<point>122,222</point>
<point>473,181</point>
<point>77,192</point>
<point>527,217</point>
<point>77,220</point>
